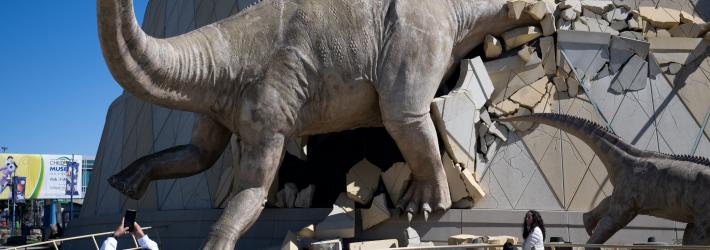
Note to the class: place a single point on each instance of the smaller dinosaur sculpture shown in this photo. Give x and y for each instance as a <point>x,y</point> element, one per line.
<point>672,187</point>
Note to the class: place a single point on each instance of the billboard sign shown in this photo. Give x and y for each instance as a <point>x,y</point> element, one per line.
<point>45,176</point>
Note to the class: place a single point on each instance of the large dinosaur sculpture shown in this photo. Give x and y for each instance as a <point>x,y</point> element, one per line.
<point>673,187</point>
<point>282,69</point>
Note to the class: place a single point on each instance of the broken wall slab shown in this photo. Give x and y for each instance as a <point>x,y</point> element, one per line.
<point>588,51</point>
<point>362,181</point>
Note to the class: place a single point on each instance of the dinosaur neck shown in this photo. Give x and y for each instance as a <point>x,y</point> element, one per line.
<point>478,18</point>
<point>610,149</point>
<point>178,72</point>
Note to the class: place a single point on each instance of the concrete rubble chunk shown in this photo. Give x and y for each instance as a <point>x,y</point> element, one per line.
<point>474,189</point>
<point>621,49</point>
<point>461,239</point>
<point>308,231</point>
<point>590,14</point>
<point>515,8</point>
<point>375,244</point>
<point>597,25</point>
<point>346,204</point>
<point>563,24</point>
<point>560,82</point>
<point>674,68</point>
<point>526,97</point>
<point>628,4</point>
<point>579,26</point>
<point>457,189</point>
<point>597,6</point>
<point>635,24</point>
<point>492,149</point>
<point>661,17</point>
<point>489,139</point>
<point>633,76</point>
<point>519,36</point>
<point>338,224</point>
<point>632,35</point>
<point>335,244</point>
<point>662,33</point>
<point>289,242</point>
<point>304,198</point>
<point>549,61</point>
<point>362,180</point>
<point>511,73</point>
<point>617,14</point>
<point>576,5</point>
<point>474,82</point>
<point>483,130</point>
<point>411,237</point>
<point>568,14</point>
<point>486,118</point>
<point>396,180</point>
<point>619,25</point>
<point>497,130</point>
<point>537,10</point>
<point>572,86</point>
<point>492,47</point>
<point>376,214</point>
<point>525,53</point>
<point>503,108</point>
<point>691,30</point>
<point>686,17</point>
<point>548,25</point>
<point>587,52</point>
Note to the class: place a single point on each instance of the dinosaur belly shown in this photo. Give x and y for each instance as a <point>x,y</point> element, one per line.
<point>340,104</point>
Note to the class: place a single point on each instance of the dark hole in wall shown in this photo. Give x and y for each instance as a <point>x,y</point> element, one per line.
<point>330,157</point>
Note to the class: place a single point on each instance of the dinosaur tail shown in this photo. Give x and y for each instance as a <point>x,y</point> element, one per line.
<point>173,72</point>
<point>600,139</point>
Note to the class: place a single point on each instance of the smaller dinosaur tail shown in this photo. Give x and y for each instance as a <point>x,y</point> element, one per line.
<point>600,139</point>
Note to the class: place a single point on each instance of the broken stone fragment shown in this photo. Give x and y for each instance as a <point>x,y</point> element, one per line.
<point>346,204</point>
<point>563,24</point>
<point>475,191</point>
<point>461,239</point>
<point>457,189</point>
<point>486,117</point>
<point>411,238</point>
<point>396,180</point>
<point>525,53</point>
<point>572,86</point>
<point>597,6</point>
<point>548,25</point>
<point>632,35</point>
<point>492,47</point>
<point>362,180</point>
<point>338,224</point>
<point>674,68</point>
<point>335,244</point>
<point>526,97</point>
<point>519,36</point>
<point>568,14</point>
<point>621,49</point>
<point>505,107</point>
<point>560,82</point>
<point>374,244</point>
<point>488,139</point>
<point>576,5</point>
<point>376,214</point>
<point>491,150</point>
<point>515,8</point>
<point>537,10</point>
<point>597,25</point>
<point>305,197</point>
<point>523,126</point>
<point>686,17</point>
<point>633,76</point>
<point>287,196</point>
<point>617,14</point>
<point>690,30</point>
<point>289,242</point>
<point>308,231</point>
<point>619,25</point>
<point>579,26</point>
<point>549,61</point>
<point>660,17</point>
<point>497,130</point>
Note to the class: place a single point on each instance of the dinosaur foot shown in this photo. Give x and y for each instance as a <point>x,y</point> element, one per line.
<point>131,185</point>
<point>589,223</point>
<point>425,195</point>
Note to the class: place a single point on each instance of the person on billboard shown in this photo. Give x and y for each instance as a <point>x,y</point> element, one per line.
<point>7,171</point>
<point>72,169</point>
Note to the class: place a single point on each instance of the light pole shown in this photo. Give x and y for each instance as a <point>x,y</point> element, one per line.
<point>3,149</point>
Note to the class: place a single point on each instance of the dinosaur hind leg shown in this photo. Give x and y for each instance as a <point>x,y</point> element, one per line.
<point>618,216</point>
<point>591,218</point>
<point>209,139</point>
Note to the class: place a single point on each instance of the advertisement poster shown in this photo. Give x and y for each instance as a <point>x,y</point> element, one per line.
<point>20,182</point>
<point>45,176</point>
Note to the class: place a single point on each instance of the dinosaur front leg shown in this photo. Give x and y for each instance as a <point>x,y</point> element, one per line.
<point>258,166</point>
<point>591,218</point>
<point>209,139</point>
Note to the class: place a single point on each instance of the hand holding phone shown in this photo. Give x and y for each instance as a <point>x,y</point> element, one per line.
<point>129,218</point>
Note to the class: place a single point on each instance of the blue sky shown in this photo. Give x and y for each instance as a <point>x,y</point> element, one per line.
<point>54,83</point>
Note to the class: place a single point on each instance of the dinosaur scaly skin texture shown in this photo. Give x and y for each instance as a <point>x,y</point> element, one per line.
<point>673,187</point>
<point>283,69</point>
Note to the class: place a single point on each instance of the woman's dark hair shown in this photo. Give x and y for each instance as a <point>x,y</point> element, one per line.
<point>536,222</point>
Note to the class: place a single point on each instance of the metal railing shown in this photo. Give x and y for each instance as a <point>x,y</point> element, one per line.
<point>554,246</point>
<point>54,242</point>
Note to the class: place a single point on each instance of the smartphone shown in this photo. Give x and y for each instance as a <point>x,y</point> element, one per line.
<point>129,218</point>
